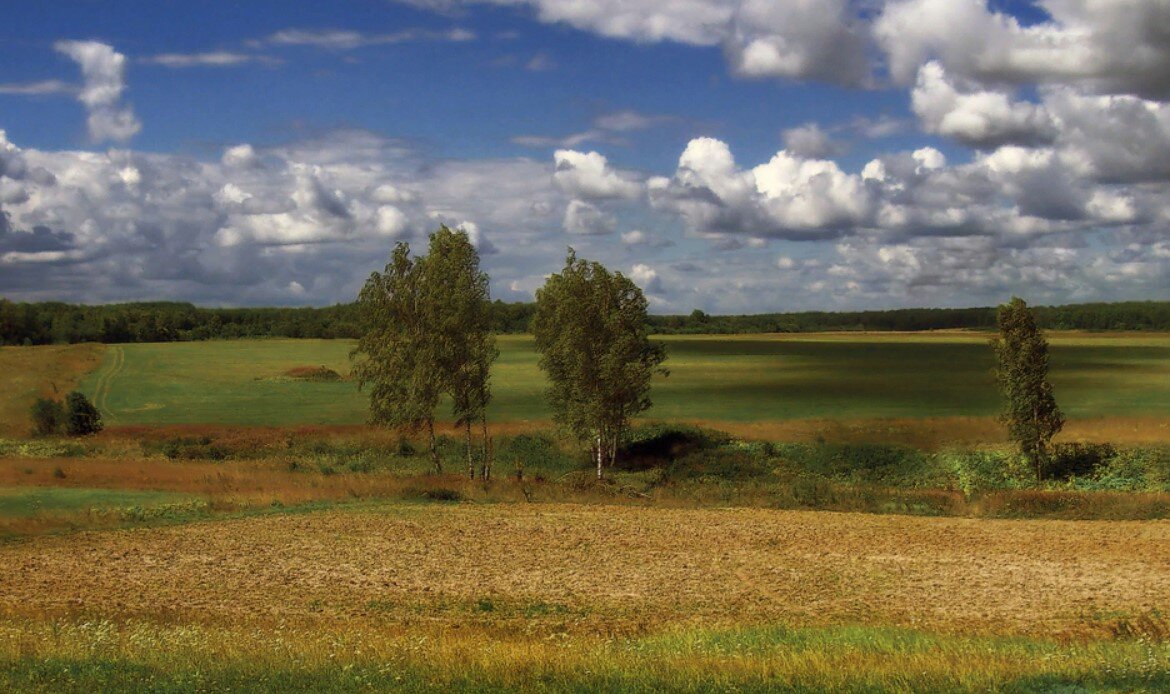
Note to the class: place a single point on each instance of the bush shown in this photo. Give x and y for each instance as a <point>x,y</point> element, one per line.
<point>48,417</point>
<point>1078,459</point>
<point>981,471</point>
<point>526,452</point>
<point>81,417</point>
<point>720,463</point>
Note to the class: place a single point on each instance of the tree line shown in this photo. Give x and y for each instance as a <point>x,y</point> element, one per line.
<point>62,323</point>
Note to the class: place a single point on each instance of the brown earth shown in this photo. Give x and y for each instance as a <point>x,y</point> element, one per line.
<point>600,568</point>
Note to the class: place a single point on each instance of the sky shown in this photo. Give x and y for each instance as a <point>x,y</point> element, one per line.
<point>735,156</point>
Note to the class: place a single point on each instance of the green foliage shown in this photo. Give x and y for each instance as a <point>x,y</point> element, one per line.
<point>1030,409</point>
<point>590,331</point>
<point>48,417</point>
<point>81,417</point>
<point>533,455</point>
<point>76,416</point>
<point>427,334</point>
<point>984,470</point>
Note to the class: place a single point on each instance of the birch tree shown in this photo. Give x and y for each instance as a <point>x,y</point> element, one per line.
<point>395,356</point>
<point>427,334</point>
<point>457,305</point>
<point>1030,409</point>
<point>590,330</point>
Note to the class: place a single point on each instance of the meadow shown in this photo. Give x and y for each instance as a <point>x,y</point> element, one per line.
<point>237,527</point>
<point>716,379</point>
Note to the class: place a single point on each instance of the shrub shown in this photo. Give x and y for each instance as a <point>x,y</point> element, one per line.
<point>981,471</point>
<point>48,417</point>
<point>525,452</point>
<point>81,417</point>
<point>1070,460</point>
<point>720,463</point>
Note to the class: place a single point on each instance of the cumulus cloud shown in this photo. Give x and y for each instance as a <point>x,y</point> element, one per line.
<point>761,38</point>
<point>584,218</point>
<point>104,71</point>
<point>646,277</point>
<point>809,141</point>
<point>1110,47</point>
<point>787,197</point>
<point>588,176</point>
<point>979,118</point>
<point>808,39</point>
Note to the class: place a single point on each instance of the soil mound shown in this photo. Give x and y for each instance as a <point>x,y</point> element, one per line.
<point>317,374</point>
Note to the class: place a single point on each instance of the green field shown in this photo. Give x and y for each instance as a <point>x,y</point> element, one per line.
<point>18,502</point>
<point>713,378</point>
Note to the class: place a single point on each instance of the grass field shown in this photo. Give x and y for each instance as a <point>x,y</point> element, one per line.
<point>583,598</point>
<point>713,378</point>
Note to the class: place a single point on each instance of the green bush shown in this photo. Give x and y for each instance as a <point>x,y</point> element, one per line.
<point>81,417</point>
<point>981,471</point>
<point>720,463</point>
<point>48,417</point>
<point>531,454</point>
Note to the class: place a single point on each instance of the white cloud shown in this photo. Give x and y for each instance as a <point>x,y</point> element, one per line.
<point>104,70</point>
<point>802,39</point>
<point>818,39</point>
<point>588,175</point>
<point>1108,46</point>
<point>583,218</point>
<point>979,118</point>
<point>646,277</point>
<point>348,39</point>
<point>809,141</point>
<point>788,197</point>
<point>42,88</point>
<point>208,59</point>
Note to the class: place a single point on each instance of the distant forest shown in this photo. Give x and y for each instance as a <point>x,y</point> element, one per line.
<point>60,323</point>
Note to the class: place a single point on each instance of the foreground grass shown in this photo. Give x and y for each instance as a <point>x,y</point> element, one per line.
<point>139,656</point>
<point>713,378</point>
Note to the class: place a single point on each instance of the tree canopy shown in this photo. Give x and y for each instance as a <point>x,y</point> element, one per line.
<point>591,333</point>
<point>426,334</point>
<point>1030,409</point>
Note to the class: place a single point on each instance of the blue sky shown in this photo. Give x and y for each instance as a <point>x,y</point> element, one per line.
<point>729,155</point>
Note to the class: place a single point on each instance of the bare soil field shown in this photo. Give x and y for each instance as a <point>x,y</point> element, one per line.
<point>600,569</point>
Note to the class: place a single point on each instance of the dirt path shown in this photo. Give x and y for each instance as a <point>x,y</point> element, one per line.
<point>610,565</point>
<point>101,390</point>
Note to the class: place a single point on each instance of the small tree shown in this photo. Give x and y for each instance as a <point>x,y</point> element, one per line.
<point>590,329</point>
<point>81,417</point>
<point>1030,410</point>
<point>48,417</point>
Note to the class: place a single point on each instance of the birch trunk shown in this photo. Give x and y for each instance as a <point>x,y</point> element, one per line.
<point>434,448</point>
<point>486,472</point>
<point>467,446</point>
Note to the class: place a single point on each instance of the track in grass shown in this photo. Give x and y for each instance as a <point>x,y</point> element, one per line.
<point>713,378</point>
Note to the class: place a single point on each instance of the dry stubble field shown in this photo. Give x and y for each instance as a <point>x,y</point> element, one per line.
<point>600,569</point>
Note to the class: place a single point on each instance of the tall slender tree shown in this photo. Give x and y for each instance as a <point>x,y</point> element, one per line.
<point>1030,409</point>
<point>394,355</point>
<point>458,306</point>
<point>590,330</point>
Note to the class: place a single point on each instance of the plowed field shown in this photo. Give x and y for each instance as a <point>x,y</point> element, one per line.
<point>600,569</point>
